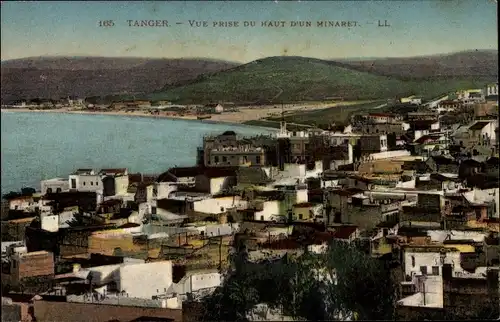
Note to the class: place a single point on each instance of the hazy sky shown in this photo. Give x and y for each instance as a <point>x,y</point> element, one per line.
<point>418,27</point>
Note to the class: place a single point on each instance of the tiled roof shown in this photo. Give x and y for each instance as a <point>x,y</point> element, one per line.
<point>167,177</point>
<point>478,125</point>
<point>70,311</point>
<point>344,232</point>
<point>431,136</point>
<point>141,178</point>
<point>184,172</point>
<point>218,172</point>
<point>114,171</point>
<point>440,177</point>
<point>345,192</point>
<point>210,172</point>
<point>252,175</point>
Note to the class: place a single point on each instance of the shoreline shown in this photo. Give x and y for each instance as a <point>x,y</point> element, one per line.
<point>132,114</point>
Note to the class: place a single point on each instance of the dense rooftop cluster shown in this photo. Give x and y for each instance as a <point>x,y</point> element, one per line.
<point>406,202</point>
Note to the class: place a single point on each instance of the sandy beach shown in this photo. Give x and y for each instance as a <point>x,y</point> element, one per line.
<point>245,113</point>
<point>146,114</point>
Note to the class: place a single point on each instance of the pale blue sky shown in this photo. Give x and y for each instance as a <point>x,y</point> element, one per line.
<point>418,27</point>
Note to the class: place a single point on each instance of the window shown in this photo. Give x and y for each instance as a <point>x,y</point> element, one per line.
<point>73,184</point>
<point>49,190</point>
<point>153,210</point>
<point>257,159</point>
<point>413,261</point>
<point>435,270</point>
<point>300,216</point>
<point>224,159</point>
<point>423,269</point>
<point>84,183</point>
<point>91,183</point>
<point>58,190</point>
<point>216,159</point>
<point>262,218</point>
<point>337,219</point>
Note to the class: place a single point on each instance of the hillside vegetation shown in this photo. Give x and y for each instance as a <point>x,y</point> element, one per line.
<point>56,77</point>
<point>291,79</point>
<point>268,80</point>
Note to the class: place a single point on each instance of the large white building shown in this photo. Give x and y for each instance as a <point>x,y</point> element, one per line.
<point>85,180</point>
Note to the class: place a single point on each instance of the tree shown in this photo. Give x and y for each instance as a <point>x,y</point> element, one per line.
<point>28,191</point>
<point>82,219</point>
<point>359,284</point>
<point>11,195</point>
<point>302,296</point>
<point>231,301</point>
<point>342,283</point>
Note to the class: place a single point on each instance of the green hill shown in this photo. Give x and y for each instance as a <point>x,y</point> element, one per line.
<point>292,79</point>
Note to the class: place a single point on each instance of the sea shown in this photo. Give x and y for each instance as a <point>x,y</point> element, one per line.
<point>38,146</point>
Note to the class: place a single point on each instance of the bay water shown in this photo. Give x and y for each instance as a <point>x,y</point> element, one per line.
<point>37,146</point>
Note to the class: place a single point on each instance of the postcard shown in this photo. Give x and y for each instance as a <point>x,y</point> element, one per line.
<point>249,160</point>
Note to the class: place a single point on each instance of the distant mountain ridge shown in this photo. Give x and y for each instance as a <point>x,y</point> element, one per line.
<point>96,62</point>
<point>292,78</point>
<point>55,77</point>
<point>465,63</point>
<point>208,79</point>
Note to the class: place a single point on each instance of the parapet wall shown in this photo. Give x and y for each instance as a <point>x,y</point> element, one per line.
<point>83,312</point>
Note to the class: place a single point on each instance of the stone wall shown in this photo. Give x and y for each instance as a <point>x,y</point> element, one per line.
<point>415,313</point>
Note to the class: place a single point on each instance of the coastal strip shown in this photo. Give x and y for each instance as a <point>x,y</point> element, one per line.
<point>133,114</point>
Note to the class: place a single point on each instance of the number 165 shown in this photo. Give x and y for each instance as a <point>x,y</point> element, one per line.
<point>106,23</point>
